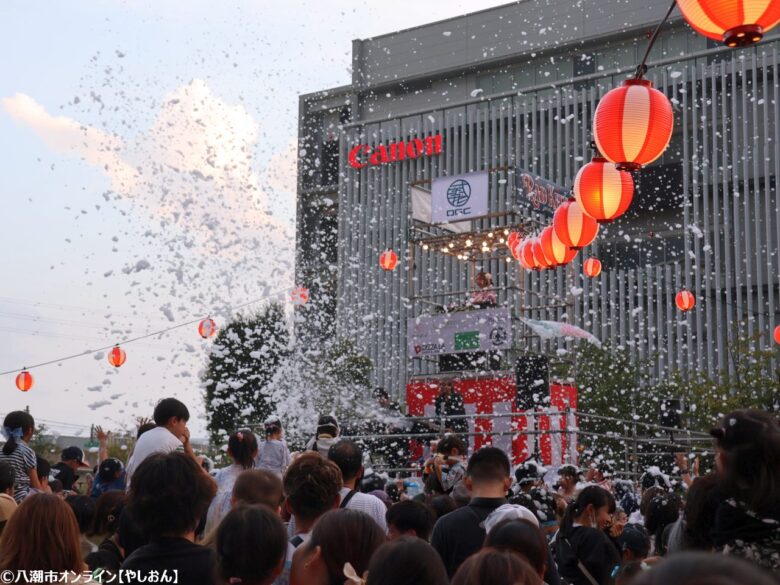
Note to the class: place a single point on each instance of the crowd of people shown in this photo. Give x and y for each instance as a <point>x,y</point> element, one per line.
<point>315,518</point>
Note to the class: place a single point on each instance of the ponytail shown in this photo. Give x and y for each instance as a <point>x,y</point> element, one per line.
<point>243,447</point>
<point>15,426</point>
<point>593,495</point>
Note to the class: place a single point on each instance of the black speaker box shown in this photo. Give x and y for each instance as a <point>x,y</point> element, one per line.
<point>471,361</point>
<point>533,382</point>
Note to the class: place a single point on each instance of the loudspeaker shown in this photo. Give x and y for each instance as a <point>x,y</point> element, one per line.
<point>471,361</point>
<point>670,414</point>
<point>533,381</point>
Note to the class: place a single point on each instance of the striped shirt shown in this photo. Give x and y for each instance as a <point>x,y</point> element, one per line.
<point>22,459</point>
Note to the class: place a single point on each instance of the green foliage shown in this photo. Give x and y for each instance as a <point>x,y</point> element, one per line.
<point>245,356</point>
<point>42,443</point>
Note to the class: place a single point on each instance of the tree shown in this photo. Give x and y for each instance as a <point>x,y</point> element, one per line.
<point>244,358</point>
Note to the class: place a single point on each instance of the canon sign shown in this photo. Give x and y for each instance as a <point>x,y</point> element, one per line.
<point>363,155</point>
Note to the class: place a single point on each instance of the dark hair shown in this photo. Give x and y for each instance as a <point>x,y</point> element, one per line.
<point>450,442</point>
<point>410,515</point>
<point>593,495</point>
<point>55,486</point>
<point>143,428</point>
<point>130,534</point>
<point>169,494</point>
<point>406,561</point>
<point>42,467</point>
<point>636,539</point>
<point>540,502</point>
<point>258,486</point>
<point>169,408</point>
<point>272,426</point>
<point>495,567</point>
<point>751,470</point>
<point>442,505</point>
<point>381,393</point>
<point>84,509</point>
<point>348,456</point>
<point>251,544</point>
<point>663,510</point>
<point>650,480</point>
<point>523,537</point>
<point>7,476</point>
<point>312,485</point>
<point>108,509</point>
<point>17,419</point>
<point>647,497</point>
<point>346,536</point>
<point>699,568</point>
<point>489,464</point>
<point>701,504</point>
<point>243,448</point>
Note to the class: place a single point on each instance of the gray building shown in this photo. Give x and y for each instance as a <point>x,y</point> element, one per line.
<point>516,86</point>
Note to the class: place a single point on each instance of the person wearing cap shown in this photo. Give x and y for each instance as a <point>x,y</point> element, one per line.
<point>634,543</point>
<point>111,476</point>
<point>71,460</point>
<point>568,478</point>
<point>528,475</point>
<point>328,432</point>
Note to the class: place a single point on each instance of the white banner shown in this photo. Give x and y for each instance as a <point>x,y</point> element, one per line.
<point>459,332</point>
<point>459,197</point>
<point>552,329</point>
<point>421,211</point>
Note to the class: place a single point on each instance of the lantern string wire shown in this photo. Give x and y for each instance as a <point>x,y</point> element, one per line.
<point>642,68</point>
<point>140,337</point>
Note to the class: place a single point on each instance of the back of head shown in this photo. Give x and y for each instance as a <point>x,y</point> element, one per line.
<point>411,516</point>
<point>328,426</point>
<point>131,537</point>
<point>488,465</point>
<point>698,568</point>
<point>7,476</point>
<point>84,509</point>
<point>346,536</point>
<point>592,495</point>
<point>16,424</point>
<point>493,567</point>
<point>42,467</point>
<point>312,485</point>
<point>143,428</point>
<point>170,494</point>
<point>251,545</point>
<point>242,446</point>
<point>258,486</point>
<point>348,456</point>
<point>41,534</point>
<point>406,561</point>
<point>108,509</point>
<point>442,505</point>
<point>169,408</point>
<point>450,443</point>
<point>701,504</point>
<point>522,537</point>
<point>636,540</point>
<point>663,510</point>
<point>272,425</point>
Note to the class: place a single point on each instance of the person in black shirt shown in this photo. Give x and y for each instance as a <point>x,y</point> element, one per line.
<point>72,459</point>
<point>450,404</point>
<point>169,496</point>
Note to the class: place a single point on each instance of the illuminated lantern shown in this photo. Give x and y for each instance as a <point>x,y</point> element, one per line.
<point>512,240</point>
<point>602,191</point>
<point>735,23</point>
<point>117,356</point>
<point>24,381</point>
<point>777,334</point>
<point>542,261</point>
<point>207,328</point>
<point>558,253</point>
<point>388,260</point>
<point>633,124</point>
<point>573,227</point>
<point>515,249</point>
<point>592,267</point>
<point>526,255</point>
<point>299,296</point>
<point>685,300</point>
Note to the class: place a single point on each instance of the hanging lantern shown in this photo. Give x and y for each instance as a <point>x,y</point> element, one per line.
<point>735,23</point>
<point>592,267</point>
<point>117,356</point>
<point>526,255</point>
<point>685,300</point>
<point>558,253</point>
<point>299,296</point>
<point>573,227</point>
<point>512,242</point>
<point>388,260</point>
<point>602,191</point>
<point>777,334</point>
<point>207,328</point>
<point>633,124</point>
<point>24,380</point>
<point>542,261</point>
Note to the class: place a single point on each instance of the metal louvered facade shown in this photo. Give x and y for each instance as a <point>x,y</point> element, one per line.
<point>705,217</point>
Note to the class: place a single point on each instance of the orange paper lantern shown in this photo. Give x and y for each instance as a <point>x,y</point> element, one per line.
<point>602,191</point>
<point>777,334</point>
<point>633,124</point>
<point>207,328</point>
<point>388,260</point>
<point>558,253</point>
<point>735,23</point>
<point>526,255</point>
<point>685,300</point>
<point>542,261</point>
<point>592,267</point>
<point>24,380</point>
<point>117,356</point>
<point>512,240</point>
<point>573,227</point>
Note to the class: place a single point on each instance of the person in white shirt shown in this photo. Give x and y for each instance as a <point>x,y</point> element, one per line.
<point>328,432</point>
<point>273,453</point>
<point>348,456</point>
<point>170,434</point>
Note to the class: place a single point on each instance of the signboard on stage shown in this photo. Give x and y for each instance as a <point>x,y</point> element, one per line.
<point>533,193</point>
<point>462,331</point>
<point>459,197</point>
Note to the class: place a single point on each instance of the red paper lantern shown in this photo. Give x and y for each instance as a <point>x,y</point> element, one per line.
<point>558,253</point>
<point>117,356</point>
<point>735,23</point>
<point>542,261</point>
<point>602,191</point>
<point>573,227</point>
<point>526,255</point>
<point>685,300</point>
<point>592,267</point>
<point>299,296</point>
<point>777,334</point>
<point>512,240</point>
<point>24,380</point>
<point>388,260</point>
<point>207,328</point>
<point>515,249</point>
<point>633,124</point>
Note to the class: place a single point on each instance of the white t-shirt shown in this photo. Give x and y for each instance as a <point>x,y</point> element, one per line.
<point>367,504</point>
<point>156,440</point>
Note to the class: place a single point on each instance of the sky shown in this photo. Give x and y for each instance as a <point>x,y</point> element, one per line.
<point>148,153</point>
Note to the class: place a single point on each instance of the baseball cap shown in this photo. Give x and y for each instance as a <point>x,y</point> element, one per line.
<point>529,471</point>
<point>73,453</point>
<point>509,512</point>
<point>636,539</point>
<point>328,425</point>
<point>109,468</point>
